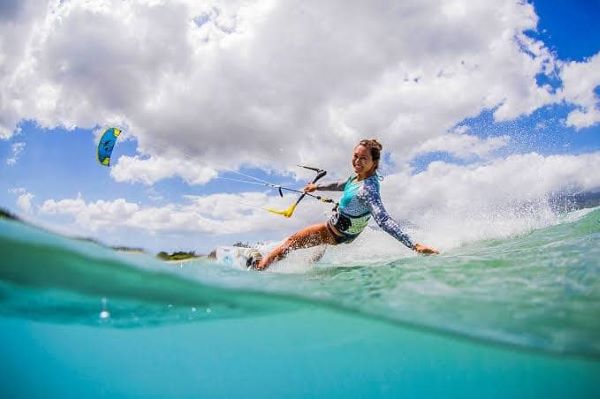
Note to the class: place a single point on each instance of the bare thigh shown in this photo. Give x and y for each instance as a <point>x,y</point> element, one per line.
<point>311,236</point>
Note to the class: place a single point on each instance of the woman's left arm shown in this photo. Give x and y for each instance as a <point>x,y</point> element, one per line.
<point>373,199</point>
<point>370,195</point>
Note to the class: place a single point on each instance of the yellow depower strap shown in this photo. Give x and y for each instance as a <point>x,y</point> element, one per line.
<point>287,212</point>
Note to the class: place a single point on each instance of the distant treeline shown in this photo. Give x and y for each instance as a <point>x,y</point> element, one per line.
<point>179,255</point>
<point>4,214</point>
<point>127,249</point>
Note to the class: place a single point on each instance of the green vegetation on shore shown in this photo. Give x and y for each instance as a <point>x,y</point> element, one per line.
<point>180,255</point>
<point>4,214</point>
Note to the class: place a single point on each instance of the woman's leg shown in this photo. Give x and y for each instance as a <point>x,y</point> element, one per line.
<point>311,236</point>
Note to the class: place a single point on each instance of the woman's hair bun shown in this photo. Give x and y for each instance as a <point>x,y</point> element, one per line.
<point>374,147</point>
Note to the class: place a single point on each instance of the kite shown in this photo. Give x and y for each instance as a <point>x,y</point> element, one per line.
<point>106,145</point>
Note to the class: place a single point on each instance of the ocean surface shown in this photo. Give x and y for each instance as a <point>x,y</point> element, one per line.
<point>509,317</point>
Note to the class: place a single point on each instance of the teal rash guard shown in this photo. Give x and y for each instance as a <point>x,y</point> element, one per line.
<point>360,200</point>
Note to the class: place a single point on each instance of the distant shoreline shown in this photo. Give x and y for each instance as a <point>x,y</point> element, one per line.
<point>4,214</point>
<point>178,256</point>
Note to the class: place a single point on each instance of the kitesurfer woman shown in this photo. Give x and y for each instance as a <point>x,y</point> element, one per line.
<point>360,201</point>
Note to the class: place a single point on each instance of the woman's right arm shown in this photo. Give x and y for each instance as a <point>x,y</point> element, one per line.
<point>336,186</point>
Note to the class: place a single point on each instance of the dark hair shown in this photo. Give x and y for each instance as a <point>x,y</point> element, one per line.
<point>374,148</point>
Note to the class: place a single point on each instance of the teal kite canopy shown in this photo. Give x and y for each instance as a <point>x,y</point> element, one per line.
<point>106,145</point>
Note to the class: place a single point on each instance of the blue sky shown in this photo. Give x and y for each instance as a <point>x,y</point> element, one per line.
<point>44,163</point>
<point>569,27</point>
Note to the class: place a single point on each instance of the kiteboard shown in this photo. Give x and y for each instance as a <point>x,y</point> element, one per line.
<point>238,257</point>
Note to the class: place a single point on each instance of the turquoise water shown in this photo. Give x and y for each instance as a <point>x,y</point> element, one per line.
<point>511,317</point>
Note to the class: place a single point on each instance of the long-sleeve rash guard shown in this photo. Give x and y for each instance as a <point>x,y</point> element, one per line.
<point>360,200</point>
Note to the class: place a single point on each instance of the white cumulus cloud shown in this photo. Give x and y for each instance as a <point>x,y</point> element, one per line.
<point>463,146</point>
<point>155,168</point>
<point>212,214</point>
<point>24,199</point>
<point>580,79</point>
<point>16,150</point>
<point>461,203</point>
<point>267,84</point>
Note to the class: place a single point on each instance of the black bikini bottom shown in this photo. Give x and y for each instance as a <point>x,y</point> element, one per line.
<point>336,226</point>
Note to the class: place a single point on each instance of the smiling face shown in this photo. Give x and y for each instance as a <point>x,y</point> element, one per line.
<point>362,162</point>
